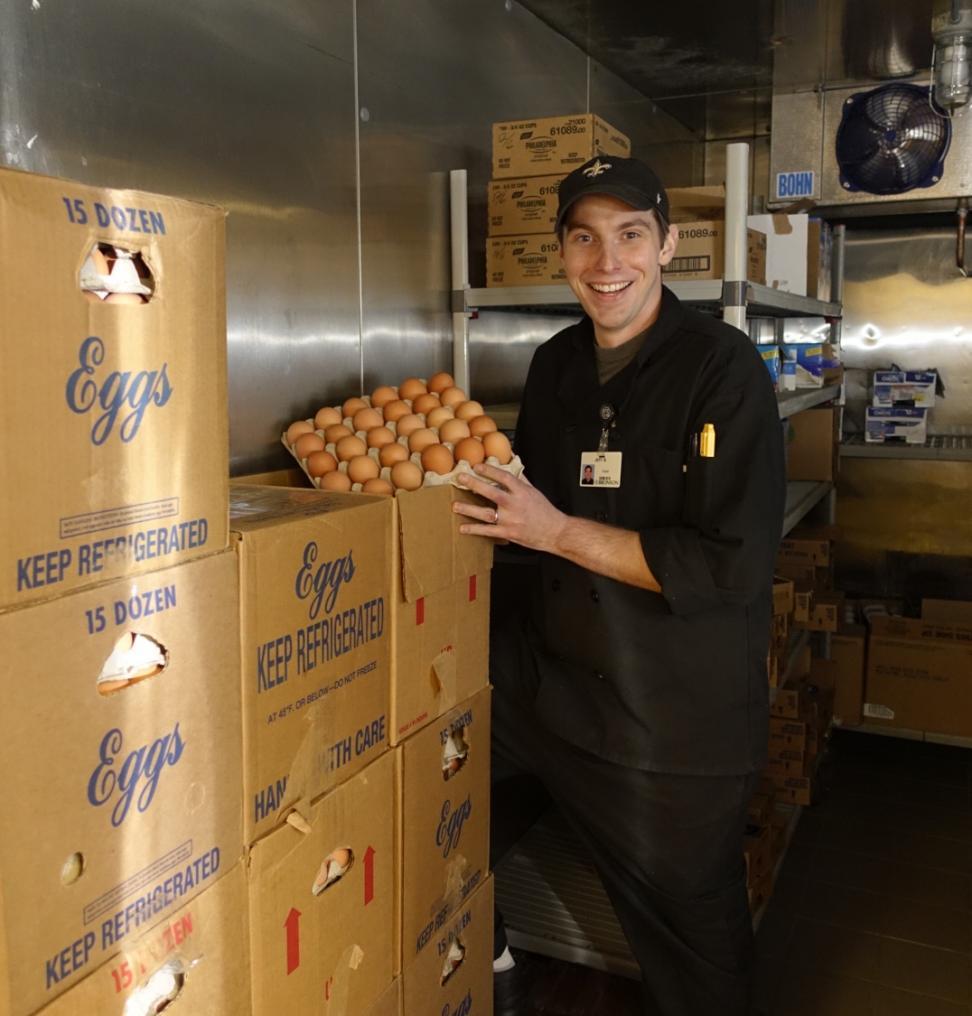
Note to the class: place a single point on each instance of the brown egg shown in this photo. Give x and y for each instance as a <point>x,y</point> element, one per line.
<point>425,403</point>
<point>471,449</point>
<point>319,463</point>
<point>480,425</point>
<point>326,417</point>
<point>453,431</point>
<point>392,453</point>
<point>382,395</point>
<point>352,405</point>
<point>422,438</point>
<point>363,467</point>
<point>439,382</point>
<point>350,447</point>
<point>378,437</point>
<point>411,388</point>
<point>467,410</point>
<point>406,475</point>
<point>297,428</point>
<point>336,432</point>
<point>439,416</point>
<point>452,396</point>
<point>395,410</point>
<point>378,486</point>
<point>436,458</point>
<point>406,424</point>
<point>366,419</point>
<point>308,443</point>
<point>335,480</point>
<point>497,446</point>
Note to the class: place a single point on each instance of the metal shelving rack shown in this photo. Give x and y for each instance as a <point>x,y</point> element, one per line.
<point>547,889</point>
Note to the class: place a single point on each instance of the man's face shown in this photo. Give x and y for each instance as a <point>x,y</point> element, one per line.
<point>612,257</point>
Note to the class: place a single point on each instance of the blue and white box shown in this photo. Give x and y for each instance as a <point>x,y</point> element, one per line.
<point>896,423</point>
<point>914,388</point>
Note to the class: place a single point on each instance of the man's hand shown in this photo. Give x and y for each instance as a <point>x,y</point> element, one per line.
<point>520,513</point>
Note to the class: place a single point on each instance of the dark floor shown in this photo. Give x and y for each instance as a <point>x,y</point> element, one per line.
<point>872,911</point>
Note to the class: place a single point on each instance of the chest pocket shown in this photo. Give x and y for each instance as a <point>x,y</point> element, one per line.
<point>654,483</point>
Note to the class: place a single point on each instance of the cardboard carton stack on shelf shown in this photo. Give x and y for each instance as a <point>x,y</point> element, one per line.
<point>118,613</point>
<point>530,158</point>
<point>900,406</point>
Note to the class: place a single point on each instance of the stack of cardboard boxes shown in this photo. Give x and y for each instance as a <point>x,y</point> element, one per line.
<point>900,404</point>
<point>366,750</point>
<point>530,158</point>
<point>120,858</point>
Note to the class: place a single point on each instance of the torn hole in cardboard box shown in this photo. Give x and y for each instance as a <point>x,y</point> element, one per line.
<point>337,863</point>
<point>160,989</point>
<point>116,275</point>
<point>73,868</point>
<point>135,657</point>
<point>455,954</point>
<point>442,676</point>
<point>455,752</point>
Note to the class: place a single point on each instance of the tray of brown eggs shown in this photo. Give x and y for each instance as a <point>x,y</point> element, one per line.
<point>417,434</point>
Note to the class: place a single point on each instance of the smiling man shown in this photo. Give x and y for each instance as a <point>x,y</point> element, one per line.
<point>633,684</point>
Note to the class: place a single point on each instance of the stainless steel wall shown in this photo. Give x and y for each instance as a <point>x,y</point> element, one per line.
<point>905,528</point>
<point>277,111</point>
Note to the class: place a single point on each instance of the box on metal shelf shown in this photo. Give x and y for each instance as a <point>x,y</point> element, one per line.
<point>699,213</point>
<point>553,144</point>
<point>919,675</point>
<point>795,790</point>
<point>701,253</point>
<point>808,546</point>
<point>799,253</point>
<point>814,365</point>
<point>120,732</point>
<point>812,443</point>
<point>316,641</point>
<point>824,613</point>
<point>769,353</point>
<point>198,957</point>
<point>456,976</point>
<point>914,388</point>
<point>899,424</point>
<point>844,672</point>
<point>324,901</point>
<point>440,592</point>
<point>124,294</point>
<point>525,260</point>
<point>782,596</point>
<point>523,205</point>
<point>445,826</point>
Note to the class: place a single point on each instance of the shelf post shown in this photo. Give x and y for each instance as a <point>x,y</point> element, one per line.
<point>737,210</point>
<point>459,225</point>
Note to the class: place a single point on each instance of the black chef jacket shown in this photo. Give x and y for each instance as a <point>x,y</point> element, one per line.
<point>672,681</point>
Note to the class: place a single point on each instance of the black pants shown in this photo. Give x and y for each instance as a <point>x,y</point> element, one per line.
<point>668,848</point>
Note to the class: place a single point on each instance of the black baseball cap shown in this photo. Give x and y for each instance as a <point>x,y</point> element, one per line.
<point>629,180</point>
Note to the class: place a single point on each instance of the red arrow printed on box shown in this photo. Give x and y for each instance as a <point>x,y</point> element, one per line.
<point>369,875</point>
<point>292,924</point>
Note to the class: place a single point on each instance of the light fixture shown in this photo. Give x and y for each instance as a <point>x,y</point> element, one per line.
<point>951,30</point>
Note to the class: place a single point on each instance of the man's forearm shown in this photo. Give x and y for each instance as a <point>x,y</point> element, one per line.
<point>605,550</point>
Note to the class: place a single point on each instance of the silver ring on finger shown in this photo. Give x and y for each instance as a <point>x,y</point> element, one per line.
<point>496,516</point>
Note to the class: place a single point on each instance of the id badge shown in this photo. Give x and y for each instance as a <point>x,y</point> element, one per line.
<point>600,469</point>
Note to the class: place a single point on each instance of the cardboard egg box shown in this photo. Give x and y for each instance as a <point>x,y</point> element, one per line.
<point>445,794</point>
<point>324,901</point>
<point>198,957</point>
<point>316,612</point>
<point>115,316</point>
<point>456,974</point>
<point>120,730</point>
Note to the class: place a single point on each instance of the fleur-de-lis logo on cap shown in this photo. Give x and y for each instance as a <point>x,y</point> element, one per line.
<point>596,169</point>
